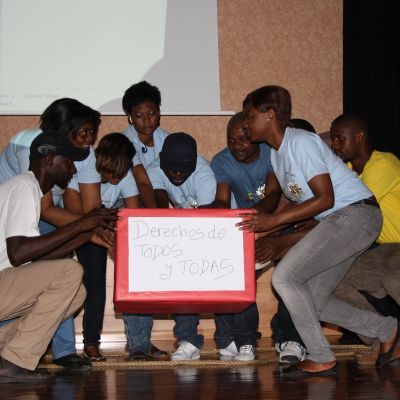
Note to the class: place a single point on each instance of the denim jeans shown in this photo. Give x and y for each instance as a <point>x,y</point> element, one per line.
<point>240,328</point>
<point>94,261</point>
<point>282,327</point>
<point>185,329</point>
<point>63,342</point>
<point>308,274</point>
<point>138,330</point>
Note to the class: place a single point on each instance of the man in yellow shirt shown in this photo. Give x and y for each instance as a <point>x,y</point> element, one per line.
<point>377,271</point>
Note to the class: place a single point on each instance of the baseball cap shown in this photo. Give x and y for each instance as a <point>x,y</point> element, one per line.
<point>55,143</point>
<point>179,153</point>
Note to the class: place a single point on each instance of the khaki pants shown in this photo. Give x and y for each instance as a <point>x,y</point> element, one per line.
<point>377,271</point>
<point>40,296</point>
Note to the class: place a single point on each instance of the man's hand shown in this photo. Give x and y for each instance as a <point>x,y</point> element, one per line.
<point>269,248</point>
<point>257,222</point>
<point>105,238</point>
<point>99,218</point>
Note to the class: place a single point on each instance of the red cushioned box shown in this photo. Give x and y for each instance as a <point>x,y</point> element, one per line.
<point>183,261</point>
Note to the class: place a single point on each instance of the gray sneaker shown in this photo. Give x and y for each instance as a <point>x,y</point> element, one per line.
<point>290,352</point>
<point>246,353</point>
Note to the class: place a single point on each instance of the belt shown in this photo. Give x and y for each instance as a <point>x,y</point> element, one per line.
<point>371,201</point>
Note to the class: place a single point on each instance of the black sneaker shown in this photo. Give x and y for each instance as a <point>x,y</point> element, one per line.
<point>73,362</point>
<point>12,373</point>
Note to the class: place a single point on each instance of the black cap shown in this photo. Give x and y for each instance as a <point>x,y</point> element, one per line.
<point>55,143</point>
<point>179,153</point>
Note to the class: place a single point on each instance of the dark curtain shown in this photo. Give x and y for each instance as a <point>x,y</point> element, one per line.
<point>371,68</point>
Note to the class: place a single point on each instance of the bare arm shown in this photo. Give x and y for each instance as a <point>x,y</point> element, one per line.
<point>162,198</point>
<point>55,215</point>
<point>273,194</point>
<point>23,249</point>
<point>323,199</point>
<point>132,202</point>
<point>90,196</point>
<point>145,187</point>
<point>222,196</point>
<point>275,247</point>
<point>72,200</point>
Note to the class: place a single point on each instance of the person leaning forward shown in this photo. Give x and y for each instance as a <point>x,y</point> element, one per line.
<point>38,288</point>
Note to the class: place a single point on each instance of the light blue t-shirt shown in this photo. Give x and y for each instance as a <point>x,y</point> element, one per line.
<point>303,155</point>
<point>110,194</point>
<point>198,190</point>
<point>247,181</point>
<point>145,154</point>
<point>14,160</point>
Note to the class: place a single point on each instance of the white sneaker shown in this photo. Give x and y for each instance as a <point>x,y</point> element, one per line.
<point>228,352</point>
<point>186,351</point>
<point>246,353</point>
<point>290,352</point>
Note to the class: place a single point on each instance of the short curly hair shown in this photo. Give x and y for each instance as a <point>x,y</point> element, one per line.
<point>139,93</point>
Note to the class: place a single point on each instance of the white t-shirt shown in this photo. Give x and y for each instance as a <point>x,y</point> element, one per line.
<point>19,211</point>
<point>303,155</point>
<point>145,154</point>
<point>111,193</point>
<point>198,190</point>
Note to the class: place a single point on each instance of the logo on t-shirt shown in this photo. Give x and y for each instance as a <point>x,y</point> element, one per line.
<point>259,193</point>
<point>190,202</point>
<point>291,189</point>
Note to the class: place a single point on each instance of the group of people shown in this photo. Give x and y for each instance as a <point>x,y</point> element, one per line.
<point>318,219</point>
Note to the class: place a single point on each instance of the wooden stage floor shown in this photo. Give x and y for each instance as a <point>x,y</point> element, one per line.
<point>209,379</point>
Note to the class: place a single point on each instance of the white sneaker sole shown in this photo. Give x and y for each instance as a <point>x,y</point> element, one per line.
<point>179,358</point>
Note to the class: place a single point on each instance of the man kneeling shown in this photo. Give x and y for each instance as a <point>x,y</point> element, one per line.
<point>45,288</point>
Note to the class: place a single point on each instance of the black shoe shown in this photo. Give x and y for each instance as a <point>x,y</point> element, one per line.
<point>349,337</point>
<point>137,355</point>
<point>12,373</point>
<point>157,354</point>
<point>394,351</point>
<point>73,362</point>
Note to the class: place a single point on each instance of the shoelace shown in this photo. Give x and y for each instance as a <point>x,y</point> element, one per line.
<point>283,345</point>
<point>247,348</point>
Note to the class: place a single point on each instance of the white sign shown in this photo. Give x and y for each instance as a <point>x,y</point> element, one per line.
<point>185,254</point>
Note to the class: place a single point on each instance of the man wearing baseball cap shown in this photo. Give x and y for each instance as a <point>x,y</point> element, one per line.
<point>39,288</point>
<point>180,177</point>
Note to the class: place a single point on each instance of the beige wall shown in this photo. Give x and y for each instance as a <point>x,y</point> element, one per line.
<point>296,44</point>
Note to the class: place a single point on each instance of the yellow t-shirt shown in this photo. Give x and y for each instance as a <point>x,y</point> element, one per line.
<point>382,176</point>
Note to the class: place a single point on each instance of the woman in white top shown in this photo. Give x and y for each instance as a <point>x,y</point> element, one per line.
<point>118,188</point>
<point>320,186</point>
<point>141,103</point>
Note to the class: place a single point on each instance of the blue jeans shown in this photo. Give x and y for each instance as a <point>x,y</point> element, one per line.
<point>138,330</point>
<point>308,274</point>
<point>240,328</point>
<point>63,342</point>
